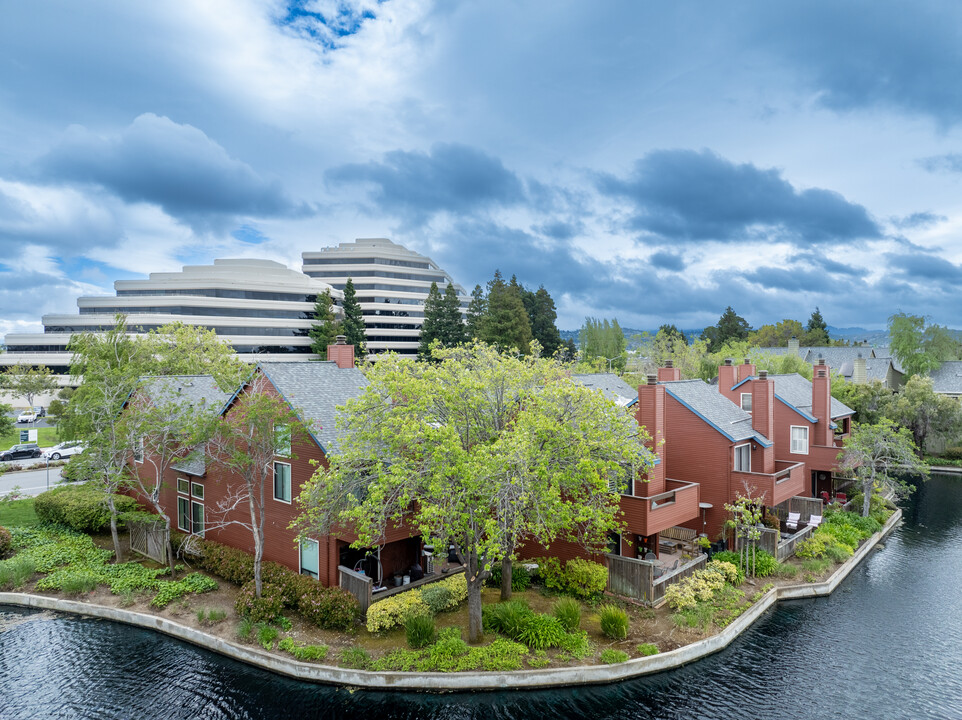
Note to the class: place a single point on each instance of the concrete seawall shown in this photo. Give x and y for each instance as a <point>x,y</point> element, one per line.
<point>473,681</point>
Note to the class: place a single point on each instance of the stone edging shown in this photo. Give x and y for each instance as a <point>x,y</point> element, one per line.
<point>464,681</point>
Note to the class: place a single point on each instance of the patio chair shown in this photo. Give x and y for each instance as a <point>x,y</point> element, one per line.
<point>650,556</point>
<point>792,522</point>
<point>841,498</point>
<point>814,521</point>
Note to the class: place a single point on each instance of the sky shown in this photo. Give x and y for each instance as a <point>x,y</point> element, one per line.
<point>653,162</point>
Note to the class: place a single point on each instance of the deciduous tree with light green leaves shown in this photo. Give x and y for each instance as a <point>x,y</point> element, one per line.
<point>28,382</point>
<point>480,449</point>
<point>920,347</point>
<point>882,456</point>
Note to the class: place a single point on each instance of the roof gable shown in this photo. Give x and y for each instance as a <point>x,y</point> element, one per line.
<point>715,409</point>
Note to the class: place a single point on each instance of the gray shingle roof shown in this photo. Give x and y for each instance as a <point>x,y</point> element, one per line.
<point>834,356</point>
<point>886,352</point>
<point>875,369</point>
<point>611,386</point>
<point>715,408</point>
<point>315,390</point>
<point>948,378</point>
<point>195,465</point>
<point>797,391</point>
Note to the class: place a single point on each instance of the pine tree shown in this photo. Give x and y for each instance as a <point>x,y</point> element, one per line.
<point>816,332</point>
<point>506,323</point>
<point>542,316</point>
<point>353,324</point>
<point>731,326</point>
<point>325,328</point>
<point>477,310</point>
<point>452,322</point>
<point>432,327</point>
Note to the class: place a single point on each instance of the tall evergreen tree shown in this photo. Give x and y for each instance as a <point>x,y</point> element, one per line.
<point>506,323</point>
<point>353,324</point>
<point>731,326</point>
<point>477,309</point>
<point>325,328</point>
<point>542,316</point>
<point>452,322</point>
<point>816,332</point>
<point>432,327</point>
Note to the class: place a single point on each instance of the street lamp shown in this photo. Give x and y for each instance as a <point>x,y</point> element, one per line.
<point>611,360</point>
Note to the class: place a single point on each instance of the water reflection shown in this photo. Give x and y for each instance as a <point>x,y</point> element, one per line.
<point>887,644</point>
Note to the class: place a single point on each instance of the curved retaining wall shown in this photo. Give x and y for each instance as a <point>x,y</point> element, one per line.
<point>453,682</point>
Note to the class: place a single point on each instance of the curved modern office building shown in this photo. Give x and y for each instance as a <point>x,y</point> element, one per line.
<point>392,284</point>
<point>262,307</point>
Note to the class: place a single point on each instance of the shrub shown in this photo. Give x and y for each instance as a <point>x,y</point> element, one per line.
<point>953,453</point>
<point>507,618</point>
<point>15,572</point>
<point>79,507</point>
<point>419,630</point>
<point>6,543</point>
<point>577,645</point>
<point>765,563</point>
<point>303,652</point>
<point>329,608</point>
<point>813,547</point>
<point>585,578</point>
<point>729,570</point>
<point>235,566</point>
<point>170,591</point>
<point>436,597</point>
<point>614,622</point>
<point>266,635</point>
<point>355,657</point>
<point>244,628</point>
<point>568,612</point>
<point>520,578</point>
<point>700,586</point>
<point>259,609</point>
<point>540,631</point>
<point>646,649</point>
<point>610,656</point>
<point>550,573</point>
<point>393,611</point>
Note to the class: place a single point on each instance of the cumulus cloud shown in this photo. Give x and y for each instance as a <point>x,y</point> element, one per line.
<point>174,166</point>
<point>450,178</point>
<point>925,268</point>
<point>684,195</point>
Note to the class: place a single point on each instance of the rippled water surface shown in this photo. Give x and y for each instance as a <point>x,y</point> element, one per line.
<point>887,644</point>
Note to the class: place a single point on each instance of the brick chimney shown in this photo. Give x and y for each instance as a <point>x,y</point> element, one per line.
<point>822,403</point>
<point>727,377</point>
<point>341,353</point>
<point>669,373</point>
<point>793,345</point>
<point>859,372</point>
<point>651,415</point>
<point>763,419</point>
<point>746,370</point>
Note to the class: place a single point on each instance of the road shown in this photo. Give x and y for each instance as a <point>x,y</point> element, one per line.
<point>31,482</point>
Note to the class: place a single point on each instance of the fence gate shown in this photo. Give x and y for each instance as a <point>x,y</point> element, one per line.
<point>149,539</point>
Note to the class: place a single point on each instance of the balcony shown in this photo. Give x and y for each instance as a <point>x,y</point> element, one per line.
<point>788,480</point>
<point>824,457</point>
<point>647,515</point>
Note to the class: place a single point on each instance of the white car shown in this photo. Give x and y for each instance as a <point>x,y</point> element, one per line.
<point>64,449</point>
<point>27,416</point>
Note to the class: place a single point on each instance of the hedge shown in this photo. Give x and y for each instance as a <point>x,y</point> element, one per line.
<point>5,542</point>
<point>80,507</point>
<point>395,610</point>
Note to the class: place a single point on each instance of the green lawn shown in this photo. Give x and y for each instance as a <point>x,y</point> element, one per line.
<point>18,513</point>
<point>46,437</point>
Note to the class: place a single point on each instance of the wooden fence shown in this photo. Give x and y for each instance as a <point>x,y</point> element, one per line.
<point>804,506</point>
<point>767,541</point>
<point>149,539</point>
<point>357,584</point>
<point>633,578</point>
<point>786,548</point>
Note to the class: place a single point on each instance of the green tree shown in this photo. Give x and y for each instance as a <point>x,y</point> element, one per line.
<point>543,317</point>
<point>477,310</point>
<point>28,382</point>
<point>776,335</point>
<point>506,323</point>
<point>924,412</point>
<point>180,349</point>
<point>672,334</point>
<point>325,328</point>
<point>6,421</point>
<point>452,321</point>
<point>882,456</point>
<point>484,450</point>
<point>816,331</point>
<point>603,344</point>
<point>920,347</point>
<point>431,328</point>
<point>871,401</point>
<point>731,326</point>
<point>353,323</point>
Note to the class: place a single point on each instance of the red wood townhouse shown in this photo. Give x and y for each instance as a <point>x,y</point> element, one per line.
<point>715,443</point>
<point>314,390</point>
<point>810,425</point>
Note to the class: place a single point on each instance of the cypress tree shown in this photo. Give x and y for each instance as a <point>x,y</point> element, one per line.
<point>353,325</point>
<point>542,315</point>
<point>325,327</point>
<point>432,327</point>
<point>506,323</point>
<point>477,310</point>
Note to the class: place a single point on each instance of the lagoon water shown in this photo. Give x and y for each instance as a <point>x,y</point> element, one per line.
<point>886,644</point>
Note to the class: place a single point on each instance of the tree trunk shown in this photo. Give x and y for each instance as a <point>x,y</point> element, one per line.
<point>867,490</point>
<point>170,547</point>
<point>475,583</point>
<point>258,554</point>
<point>118,551</point>
<point>506,578</point>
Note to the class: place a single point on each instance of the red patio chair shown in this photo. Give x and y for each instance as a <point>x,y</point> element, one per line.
<point>841,498</point>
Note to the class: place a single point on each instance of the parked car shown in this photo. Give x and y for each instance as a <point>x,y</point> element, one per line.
<point>64,449</point>
<point>27,416</point>
<point>40,411</point>
<point>23,450</point>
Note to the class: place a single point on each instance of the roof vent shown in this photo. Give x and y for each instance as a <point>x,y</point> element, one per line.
<point>669,363</point>
<point>728,361</point>
<point>763,374</point>
<point>340,340</point>
<point>652,379</point>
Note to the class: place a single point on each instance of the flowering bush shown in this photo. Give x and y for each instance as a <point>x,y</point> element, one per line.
<point>259,609</point>
<point>331,608</point>
<point>5,542</point>
<point>728,570</point>
<point>395,610</point>
<point>700,586</point>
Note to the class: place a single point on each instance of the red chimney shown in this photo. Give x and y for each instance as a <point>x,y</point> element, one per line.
<point>727,378</point>
<point>669,373</point>
<point>651,414</point>
<point>341,353</point>
<point>763,418</point>
<point>746,370</point>
<point>822,404</point>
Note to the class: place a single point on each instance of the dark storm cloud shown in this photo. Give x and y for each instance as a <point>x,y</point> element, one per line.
<point>921,267</point>
<point>684,195</point>
<point>450,178</point>
<point>667,261</point>
<point>797,280</point>
<point>158,161</point>
<point>827,264</point>
<point>871,53</point>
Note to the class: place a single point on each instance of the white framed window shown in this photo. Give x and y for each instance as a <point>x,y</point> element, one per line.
<point>282,435</point>
<point>747,402</point>
<point>743,458</point>
<point>182,485</point>
<point>183,514</point>
<point>282,482</point>
<point>197,490</point>
<point>139,450</point>
<point>310,558</point>
<point>197,518</point>
<point>799,440</point>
